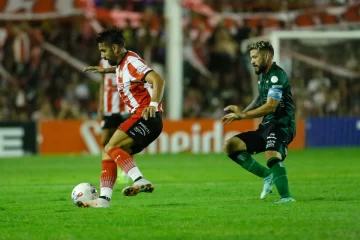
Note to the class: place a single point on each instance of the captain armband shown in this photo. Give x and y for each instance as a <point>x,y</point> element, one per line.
<point>274,93</point>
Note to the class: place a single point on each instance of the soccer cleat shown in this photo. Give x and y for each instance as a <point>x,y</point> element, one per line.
<point>141,185</point>
<point>267,189</point>
<point>96,203</point>
<point>284,200</point>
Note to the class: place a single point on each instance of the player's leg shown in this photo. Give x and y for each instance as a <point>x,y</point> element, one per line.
<point>143,132</point>
<point>275,153</point>
<point>109,126</point>
<point>105,138</point>
<point>118,151</point>
<point>240,147</point>
<point>107,181</point>
<point>106,135</point>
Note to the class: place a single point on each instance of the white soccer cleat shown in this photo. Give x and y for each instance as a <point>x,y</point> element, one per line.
<point>96,203</point>
<point>267,189</point>
<point>141,185</point>
<point>285,200</point>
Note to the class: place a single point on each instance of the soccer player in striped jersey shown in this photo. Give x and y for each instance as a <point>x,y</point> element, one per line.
<point>111,110</point>
<point>141,89</point>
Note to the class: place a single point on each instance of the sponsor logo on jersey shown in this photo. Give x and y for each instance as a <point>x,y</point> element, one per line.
<point>271,136</point>
<point>274,79</point>
<point>270,143</point>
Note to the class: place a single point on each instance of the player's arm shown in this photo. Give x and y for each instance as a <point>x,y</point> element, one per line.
<point>252,105</point>
<point>158,85</point>
<point>273,99</point>
<point>280,81</point>
<point>97,69</point>
<point>101,98</point>
<point>234,113</point>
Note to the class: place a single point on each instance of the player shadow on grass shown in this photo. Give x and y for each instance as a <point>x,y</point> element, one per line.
<point>332,199</point>
<point>174,204</point>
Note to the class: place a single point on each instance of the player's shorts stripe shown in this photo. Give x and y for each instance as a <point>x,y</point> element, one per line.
<point>128,123</point>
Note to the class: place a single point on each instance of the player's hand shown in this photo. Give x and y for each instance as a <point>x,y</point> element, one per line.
<point>233,113</point>
<point>94,69</point>
<point>149,111</point>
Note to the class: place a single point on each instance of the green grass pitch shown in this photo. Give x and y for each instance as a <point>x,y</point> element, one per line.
<point>195,197</point>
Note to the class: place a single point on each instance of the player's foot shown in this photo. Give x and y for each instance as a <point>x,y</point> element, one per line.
<point>267,189</point>
<point>96,203</point>
<point>122,178</point>
<point>284,200</point>
<point>141,185</point>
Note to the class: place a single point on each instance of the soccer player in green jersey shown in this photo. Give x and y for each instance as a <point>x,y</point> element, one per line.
<point>277,129</point>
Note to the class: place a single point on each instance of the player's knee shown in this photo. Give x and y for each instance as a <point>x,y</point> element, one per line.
<point>104,155</point>
<point>272,158</point>
<point>104,142</point>
<point>272,154</point>
<point>108,147</point>
<point>234,144</point>
<point>126,146</point>
<point>105,138</point>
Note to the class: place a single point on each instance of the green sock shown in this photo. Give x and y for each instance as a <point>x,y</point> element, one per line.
<point>279,175</point>
<point>244,159</point>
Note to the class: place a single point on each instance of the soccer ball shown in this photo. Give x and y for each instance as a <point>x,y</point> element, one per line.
<point>83,192</point>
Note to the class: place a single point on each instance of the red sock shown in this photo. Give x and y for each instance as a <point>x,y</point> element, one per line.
<point>124,160</point>
<point>108,174</point>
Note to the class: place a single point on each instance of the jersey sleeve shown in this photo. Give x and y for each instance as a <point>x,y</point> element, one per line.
<point>138,69</point>
<point>278,82</point>
<point>275,93</point>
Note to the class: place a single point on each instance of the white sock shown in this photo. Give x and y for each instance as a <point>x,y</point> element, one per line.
<point>105,191</point>
<point>134,173</point>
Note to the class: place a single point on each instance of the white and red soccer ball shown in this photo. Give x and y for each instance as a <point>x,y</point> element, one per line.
<point>83,192</point>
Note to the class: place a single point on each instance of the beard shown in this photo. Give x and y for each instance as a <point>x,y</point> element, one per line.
<point>260,69</point>
<point>112,62</point>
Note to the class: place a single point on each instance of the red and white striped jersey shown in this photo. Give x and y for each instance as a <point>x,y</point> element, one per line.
<point>135,92</point>
<point>112,101</point>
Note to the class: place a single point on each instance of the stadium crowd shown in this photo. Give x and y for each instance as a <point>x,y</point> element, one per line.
<point>39,85</point>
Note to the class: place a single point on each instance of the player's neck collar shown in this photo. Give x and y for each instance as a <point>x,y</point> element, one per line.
<point>271,67</point>
<point>122,58</point>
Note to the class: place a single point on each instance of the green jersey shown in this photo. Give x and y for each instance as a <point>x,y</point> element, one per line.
<point>275,83</point>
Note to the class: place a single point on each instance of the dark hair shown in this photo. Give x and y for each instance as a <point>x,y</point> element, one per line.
<point>111,35</point>
<point>262,46</point>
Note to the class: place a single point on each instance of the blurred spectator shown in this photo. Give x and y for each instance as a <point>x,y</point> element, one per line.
<point>332,102</point>
<point>69,110</point>
<point>318,81</point>
<point>45,112</point>
<point>222,54</point>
